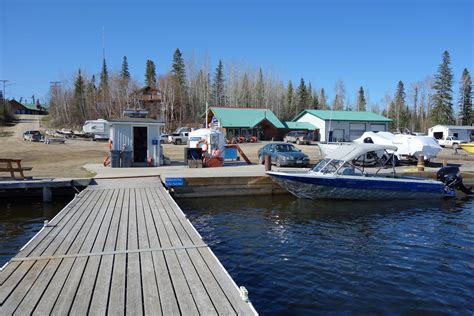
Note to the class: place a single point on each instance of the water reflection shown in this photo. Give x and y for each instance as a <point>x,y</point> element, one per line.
<point>21,219</point>
<point>298,256</point>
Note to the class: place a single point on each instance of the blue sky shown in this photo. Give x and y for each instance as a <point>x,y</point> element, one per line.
<point>370,43</point>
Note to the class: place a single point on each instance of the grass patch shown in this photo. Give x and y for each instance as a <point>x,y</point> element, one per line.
<point>6,133</point>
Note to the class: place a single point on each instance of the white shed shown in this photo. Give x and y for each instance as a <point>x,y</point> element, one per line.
<point>339,126</point>
<point>465,133</point>
<point>140,136</point>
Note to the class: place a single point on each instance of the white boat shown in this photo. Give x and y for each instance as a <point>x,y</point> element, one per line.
<point>409,147</point>
<point>337,177</point>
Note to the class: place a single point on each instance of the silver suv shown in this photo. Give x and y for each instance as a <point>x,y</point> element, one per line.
<point>33,136</point>
<point>298,137</point>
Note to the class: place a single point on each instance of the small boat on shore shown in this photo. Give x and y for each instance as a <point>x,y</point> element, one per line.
<point>338,177</point>
<point>468,147</point>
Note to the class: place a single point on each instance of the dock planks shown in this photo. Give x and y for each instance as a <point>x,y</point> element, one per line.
<point>120,247</point>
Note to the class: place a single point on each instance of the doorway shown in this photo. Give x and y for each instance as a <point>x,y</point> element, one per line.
<point>140,145</point>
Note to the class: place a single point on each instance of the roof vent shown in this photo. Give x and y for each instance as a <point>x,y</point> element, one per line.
<point>141,113</point>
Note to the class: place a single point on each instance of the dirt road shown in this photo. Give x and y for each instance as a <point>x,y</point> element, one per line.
<point>66,160</point>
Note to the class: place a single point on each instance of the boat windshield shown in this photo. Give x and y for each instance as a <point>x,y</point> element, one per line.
<point>328,166</point>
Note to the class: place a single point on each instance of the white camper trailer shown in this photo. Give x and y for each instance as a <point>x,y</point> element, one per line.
<point>99,129</point>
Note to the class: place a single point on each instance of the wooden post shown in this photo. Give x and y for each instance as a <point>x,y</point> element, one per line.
<point>421,163</point>
<point>268,163</point>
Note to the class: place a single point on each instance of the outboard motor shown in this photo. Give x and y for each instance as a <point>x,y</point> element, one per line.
<point>451,177</point>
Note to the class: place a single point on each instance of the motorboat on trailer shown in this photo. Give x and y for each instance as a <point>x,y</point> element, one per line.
<point>338,177</point>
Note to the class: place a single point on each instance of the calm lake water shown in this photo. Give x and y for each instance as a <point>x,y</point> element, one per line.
<point>21,219</point>
<point>311,257</point>
<point>308,257</point>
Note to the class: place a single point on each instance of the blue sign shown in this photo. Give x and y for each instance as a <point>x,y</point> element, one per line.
<point>174,182</point>
<point>154,141</point>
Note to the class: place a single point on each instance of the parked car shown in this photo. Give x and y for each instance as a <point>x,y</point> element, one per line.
<point>283,155</point>
<point>298,137</point>
<point>33,136</point>
<point>164,138</point>
<point>450,141</point>
<point>178,138</point>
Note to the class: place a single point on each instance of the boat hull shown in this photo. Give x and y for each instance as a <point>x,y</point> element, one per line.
<point>469,147</point>
<point>359,188</point>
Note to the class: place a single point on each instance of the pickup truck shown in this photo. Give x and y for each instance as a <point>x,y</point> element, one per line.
<point>450,141</point>
<point>178,138</point>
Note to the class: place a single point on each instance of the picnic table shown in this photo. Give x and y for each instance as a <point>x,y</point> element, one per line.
<point>9,167</point>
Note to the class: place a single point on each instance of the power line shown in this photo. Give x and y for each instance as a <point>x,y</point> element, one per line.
<point>4,82</point>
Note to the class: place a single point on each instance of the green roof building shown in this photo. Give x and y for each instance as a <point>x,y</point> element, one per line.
<point>246,122</point>
<point>342,125</point>
<point>27,108</point>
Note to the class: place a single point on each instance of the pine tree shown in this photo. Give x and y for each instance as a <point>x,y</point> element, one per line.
<point>260,89</point>
<point>150,74</point>
<point>91,91</point>
<point>245,95</point>
<point>361,102</point>
<point>465,99</point>
<point>288,112</point>
<point>124,73</point>
<point>178,68</point>
<point>310,96</point>
<point>79,98</point>
<point>104,77</point>
<point>302,97</point>
<point>323,99</point>
<point>442,112</point>
<point>315,104</point>
<point>218,95</point>
<point>402,112</point>
<point>391,113</point>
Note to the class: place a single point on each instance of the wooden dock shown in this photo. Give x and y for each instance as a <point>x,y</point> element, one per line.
<point>120,247</point>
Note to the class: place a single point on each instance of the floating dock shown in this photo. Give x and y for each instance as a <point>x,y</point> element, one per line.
<point>120,247</point>
<point>41,186</point>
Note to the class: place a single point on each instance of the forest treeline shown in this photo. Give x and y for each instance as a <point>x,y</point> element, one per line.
<point>190,84</point>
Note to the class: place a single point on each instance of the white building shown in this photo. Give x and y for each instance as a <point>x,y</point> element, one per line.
<point>138,137</point>
<point>338,126</point>
<point>465,133</point>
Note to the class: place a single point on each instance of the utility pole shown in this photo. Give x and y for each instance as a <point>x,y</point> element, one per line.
<point>4,82</point>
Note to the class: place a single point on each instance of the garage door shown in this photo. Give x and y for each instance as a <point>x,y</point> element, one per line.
<point>377,127</point>
<point>356,130</point>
